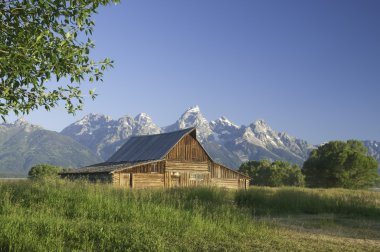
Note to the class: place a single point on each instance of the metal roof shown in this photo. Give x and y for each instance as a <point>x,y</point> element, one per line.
<point>105,167</point>
<point>148,147</point>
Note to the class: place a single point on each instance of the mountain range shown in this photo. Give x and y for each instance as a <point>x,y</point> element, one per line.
<point>96,137</point>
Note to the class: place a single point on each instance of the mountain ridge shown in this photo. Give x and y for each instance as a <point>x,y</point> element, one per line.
<point>226,141</point>
<point>95,137</point>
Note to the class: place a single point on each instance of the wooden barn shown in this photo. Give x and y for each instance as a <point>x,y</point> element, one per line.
<point>175,159</point>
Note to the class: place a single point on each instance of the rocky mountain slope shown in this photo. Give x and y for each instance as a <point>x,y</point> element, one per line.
<point>23,145</point>
<point>104,136</point>
<point>373,149</point>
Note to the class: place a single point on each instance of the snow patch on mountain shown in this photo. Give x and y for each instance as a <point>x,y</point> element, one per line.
<point>192,117</point>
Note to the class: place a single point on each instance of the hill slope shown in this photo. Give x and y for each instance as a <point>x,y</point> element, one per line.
<point>23,145</point>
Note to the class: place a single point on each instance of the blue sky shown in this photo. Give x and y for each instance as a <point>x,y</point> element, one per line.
<point>310,68</point>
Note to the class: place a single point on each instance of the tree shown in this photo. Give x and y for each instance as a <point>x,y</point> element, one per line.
<point>42,41</point>
<point>277,173</point>
<point>340,164</point>
<point>44,171</point>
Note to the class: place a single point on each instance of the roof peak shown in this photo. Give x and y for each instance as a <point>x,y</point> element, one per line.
<point>167,133</point>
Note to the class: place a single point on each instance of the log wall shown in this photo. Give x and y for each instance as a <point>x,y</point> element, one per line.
<point>186,166</point>
<point>223,177</point>
<point>219,171</point>
<point>146,180</point>
<point>185,174</point>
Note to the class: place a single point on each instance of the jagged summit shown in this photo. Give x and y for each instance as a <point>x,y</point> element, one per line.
<point>192,117</point>
<point>261,124</point>
<point>143,117</point>
<point>21,123</point>
<point>93,117</point>
<point>193,109</point>
<point>223,121</point>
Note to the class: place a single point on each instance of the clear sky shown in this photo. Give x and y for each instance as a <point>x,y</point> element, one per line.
<point>309,68</point>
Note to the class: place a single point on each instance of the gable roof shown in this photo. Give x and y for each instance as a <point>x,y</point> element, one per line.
<point>149,147</point>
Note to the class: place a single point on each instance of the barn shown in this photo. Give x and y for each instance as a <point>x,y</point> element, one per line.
<point>175,159</point>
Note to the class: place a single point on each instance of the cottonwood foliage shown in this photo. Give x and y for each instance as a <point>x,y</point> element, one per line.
<point>45,41</point>
<point>277,173</point>
<point>341,164</point>
<point>44,171</point>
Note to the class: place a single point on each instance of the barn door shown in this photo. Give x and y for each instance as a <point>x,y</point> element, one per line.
<point>125,180</point>
<point>175,179</point>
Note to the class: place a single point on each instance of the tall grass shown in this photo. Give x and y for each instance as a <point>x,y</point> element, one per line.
<point>78,216</point>
<point>262,200</point>
<point>63,216</point>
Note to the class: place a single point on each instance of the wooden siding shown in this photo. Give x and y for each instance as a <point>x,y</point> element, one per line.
<point>141,176</point>
<point>219,171</point>
<point>185,174</point>
<point>185,166</point>
<point>227,178</point>
<point>169,174</point>
<point>121,179</point>
<point>156,167</point>
<point>146,180</point>
<point>188,149</point>
<point>186,179</point>
<point>229,183</point>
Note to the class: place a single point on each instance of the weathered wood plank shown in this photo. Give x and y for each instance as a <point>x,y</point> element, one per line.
<point>188,149</point>
<point>186,166</point>
<point>146,180</point>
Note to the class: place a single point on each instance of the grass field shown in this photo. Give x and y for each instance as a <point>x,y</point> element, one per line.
<point>68,216</point>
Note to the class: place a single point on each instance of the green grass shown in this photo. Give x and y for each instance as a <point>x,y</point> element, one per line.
<point>355,203</point>
<point>68,216</point>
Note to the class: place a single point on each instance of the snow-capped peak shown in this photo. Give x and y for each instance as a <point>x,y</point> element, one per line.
<point>20,122</point>
<point>92,117</point>
<point>261,123</point>
<point>192,117</point>
<point>143,118</point>
<point>225,122</point>
<point>193,109</point>
<point>142,115</point>
<point>144,125</point>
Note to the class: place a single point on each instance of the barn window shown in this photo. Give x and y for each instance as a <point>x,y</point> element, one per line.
<point>196,176</point>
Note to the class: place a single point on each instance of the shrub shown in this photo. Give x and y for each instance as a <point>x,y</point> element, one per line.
<point>44,171</point>
<point>277,173</point>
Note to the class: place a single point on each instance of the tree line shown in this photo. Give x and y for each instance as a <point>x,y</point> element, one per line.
<point>335,164</point>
